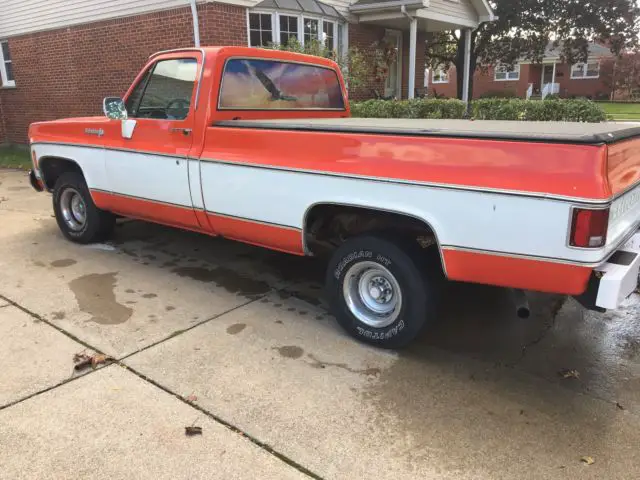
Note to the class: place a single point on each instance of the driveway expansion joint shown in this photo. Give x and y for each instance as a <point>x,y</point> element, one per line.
<point>177,333</point>
<point>260,444</point>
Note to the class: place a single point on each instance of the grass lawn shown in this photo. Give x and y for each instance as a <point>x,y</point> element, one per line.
<point>621,111</point>
<point>15,157</point>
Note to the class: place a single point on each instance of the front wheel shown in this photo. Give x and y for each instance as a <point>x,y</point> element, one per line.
<point>78,217</point>
<point>377,292</point>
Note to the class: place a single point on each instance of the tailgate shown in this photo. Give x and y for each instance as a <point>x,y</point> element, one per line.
<point>623,174</point>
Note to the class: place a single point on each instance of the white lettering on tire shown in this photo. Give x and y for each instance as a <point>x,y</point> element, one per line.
<point>350,258</point>
<point>390,333</point>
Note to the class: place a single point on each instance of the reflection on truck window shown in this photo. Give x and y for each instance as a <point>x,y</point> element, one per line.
<point>250,84</point>
<point>166,92</point>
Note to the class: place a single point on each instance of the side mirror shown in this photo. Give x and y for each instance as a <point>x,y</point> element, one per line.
<point>114,108</point>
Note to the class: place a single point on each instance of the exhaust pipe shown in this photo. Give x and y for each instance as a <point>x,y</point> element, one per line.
<point>521,303</point>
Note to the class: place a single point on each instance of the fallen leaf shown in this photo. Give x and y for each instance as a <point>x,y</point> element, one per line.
<point>588,460</point>
<point>620,407</point>
<point>191,398</point>
<point>82,360</point>
<point>100,359</point>
<point>569,374</point>
<point>190,431</point>
<point>79,357</point>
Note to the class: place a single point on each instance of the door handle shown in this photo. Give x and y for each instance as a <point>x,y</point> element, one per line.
<point>185,131</point>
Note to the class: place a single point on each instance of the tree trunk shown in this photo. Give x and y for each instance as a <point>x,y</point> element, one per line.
<point>460,65</point>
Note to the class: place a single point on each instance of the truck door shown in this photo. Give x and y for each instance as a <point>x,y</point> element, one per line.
<point>147,164</point>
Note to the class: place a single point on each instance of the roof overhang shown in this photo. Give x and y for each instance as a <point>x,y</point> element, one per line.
<point>309,7</point>
<point>368,6</point>
<point>485,12</point>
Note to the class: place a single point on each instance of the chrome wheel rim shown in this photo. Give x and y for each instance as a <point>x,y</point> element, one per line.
<point>372,294</point>
<point>73,208</point>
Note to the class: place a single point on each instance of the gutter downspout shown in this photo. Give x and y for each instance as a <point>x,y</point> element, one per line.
<point>196,28</point>
<point>413,34</point>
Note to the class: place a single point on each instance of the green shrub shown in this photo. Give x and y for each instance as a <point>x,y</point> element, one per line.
<point>484,109</point>
<point>419,108</point>
<point>500,94</point>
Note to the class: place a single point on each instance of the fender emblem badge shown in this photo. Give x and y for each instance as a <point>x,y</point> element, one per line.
<point>94,131</point>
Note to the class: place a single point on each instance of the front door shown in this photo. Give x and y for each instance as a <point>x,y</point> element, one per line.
<point>393,83</point>
<point>547,74</point>
<point>148,172</point>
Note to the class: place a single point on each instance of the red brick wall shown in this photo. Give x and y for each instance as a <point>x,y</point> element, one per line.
<point>67,72</point>
<point>3,138</point>
<point>363,37</point>
<point>580,88</point>
<point>484,83</point>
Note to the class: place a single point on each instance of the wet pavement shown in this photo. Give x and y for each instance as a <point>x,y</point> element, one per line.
<point>278,387</point>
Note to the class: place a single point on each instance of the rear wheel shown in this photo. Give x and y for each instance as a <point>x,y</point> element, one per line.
<point>377,292</point>
<point>78,217</point>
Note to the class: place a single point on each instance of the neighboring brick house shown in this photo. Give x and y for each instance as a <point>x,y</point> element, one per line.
<point>61,57</point>
<point>536,80</point>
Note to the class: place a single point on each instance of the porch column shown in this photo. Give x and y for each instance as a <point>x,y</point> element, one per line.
<point>553,79</point>
<point>413,40</point>
<point>467,66</point>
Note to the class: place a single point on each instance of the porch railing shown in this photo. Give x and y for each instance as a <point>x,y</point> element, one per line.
<point>550,89</point>
<point>530,91</point>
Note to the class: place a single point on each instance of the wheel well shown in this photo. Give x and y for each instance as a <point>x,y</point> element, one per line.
<point>328,225</point>
<point>53,167</point>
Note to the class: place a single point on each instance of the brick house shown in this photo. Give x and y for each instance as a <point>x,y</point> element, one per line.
<point>536,80</point>
<point>61,57</point>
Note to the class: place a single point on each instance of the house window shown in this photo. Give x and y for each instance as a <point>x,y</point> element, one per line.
<point>288,29</point>
<point>260,29</point>
<point>585,70</point>
<point>6,66</point>
<point>266,28</point>
<point>329,35</point>
<point>440,75</point>
<point>505,73</point>
<point>310,29</point>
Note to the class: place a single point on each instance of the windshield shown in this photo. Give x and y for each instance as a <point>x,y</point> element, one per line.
<point>252,84</point>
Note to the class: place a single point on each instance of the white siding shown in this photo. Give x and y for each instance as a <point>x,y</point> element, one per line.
<point>18,17</point>
<point>457,9</point>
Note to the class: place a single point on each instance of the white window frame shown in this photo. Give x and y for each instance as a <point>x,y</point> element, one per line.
<point>505,69</point>
<point>4,82</point>
<point>275,26</point>
<point>443,73</point>
<point>584,75</point>
<point>299,23</point>
<point>260,12</point>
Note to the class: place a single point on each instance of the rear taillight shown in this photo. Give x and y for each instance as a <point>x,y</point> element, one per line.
<point>589,228</point>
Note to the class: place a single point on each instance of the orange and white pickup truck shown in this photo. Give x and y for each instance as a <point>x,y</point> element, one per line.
<point>257,146</point>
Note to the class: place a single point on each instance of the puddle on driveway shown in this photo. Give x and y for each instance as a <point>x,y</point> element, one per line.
<point>94,294</point>
<point>64,262</point>
<point>225,278</point>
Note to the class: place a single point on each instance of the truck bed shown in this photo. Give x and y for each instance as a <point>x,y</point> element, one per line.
<point>551,132</point>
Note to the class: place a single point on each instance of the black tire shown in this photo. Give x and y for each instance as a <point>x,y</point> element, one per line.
<point>98,224</point>
<point>419,291</point>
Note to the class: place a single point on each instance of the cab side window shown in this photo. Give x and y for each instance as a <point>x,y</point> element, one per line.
<point>165,91</point>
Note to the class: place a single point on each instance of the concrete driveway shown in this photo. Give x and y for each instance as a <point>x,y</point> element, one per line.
<point>236,340</point>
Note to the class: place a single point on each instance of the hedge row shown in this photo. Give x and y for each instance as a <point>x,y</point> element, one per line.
<point>484,109</point>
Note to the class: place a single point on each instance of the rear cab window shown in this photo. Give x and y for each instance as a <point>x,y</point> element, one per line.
<point>263,84</point>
